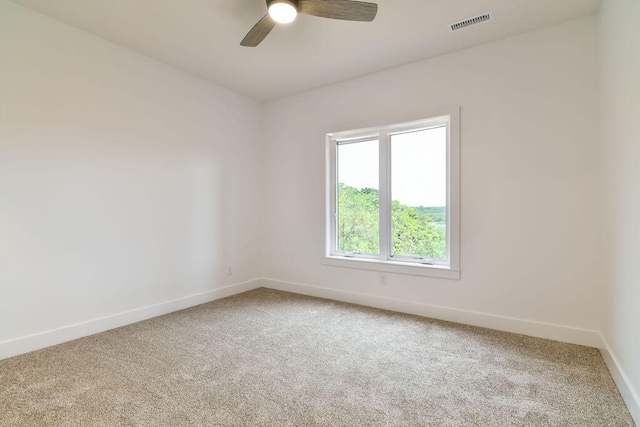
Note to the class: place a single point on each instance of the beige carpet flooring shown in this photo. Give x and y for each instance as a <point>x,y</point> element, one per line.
<point>270,358</point>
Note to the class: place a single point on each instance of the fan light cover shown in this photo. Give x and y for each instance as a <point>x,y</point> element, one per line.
<point>282,12</point>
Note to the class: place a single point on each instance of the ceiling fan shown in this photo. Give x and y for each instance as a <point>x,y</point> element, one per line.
<point>285,11</point>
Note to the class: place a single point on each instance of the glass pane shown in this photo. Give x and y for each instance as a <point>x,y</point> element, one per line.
<point>419,193</point>
<point>358,200</point>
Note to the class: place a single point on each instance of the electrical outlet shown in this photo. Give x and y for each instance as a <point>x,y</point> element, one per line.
<point>229,270</point>
<point>383,279</point>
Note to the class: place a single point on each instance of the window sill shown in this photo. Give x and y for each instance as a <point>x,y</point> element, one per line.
<point>392,267</point>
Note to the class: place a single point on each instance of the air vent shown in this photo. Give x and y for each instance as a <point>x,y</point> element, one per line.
<point>486,17</point>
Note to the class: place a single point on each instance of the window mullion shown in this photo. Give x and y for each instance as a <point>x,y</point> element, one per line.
<point>385,196</point>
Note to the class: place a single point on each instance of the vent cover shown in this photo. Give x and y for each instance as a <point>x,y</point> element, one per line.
<point>485,17</point>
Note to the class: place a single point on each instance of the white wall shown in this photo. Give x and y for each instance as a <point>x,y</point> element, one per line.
<point>123,182</point>
<point>531,177</point>
<point>620,45</point>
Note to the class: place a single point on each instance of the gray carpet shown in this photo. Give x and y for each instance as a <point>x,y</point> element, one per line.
<point>270,358</point>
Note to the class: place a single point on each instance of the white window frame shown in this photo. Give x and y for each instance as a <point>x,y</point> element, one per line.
<point>384,262</point>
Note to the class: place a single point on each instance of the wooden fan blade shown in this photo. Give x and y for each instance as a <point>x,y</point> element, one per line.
<point>258,32</point>
<point>339,9</point>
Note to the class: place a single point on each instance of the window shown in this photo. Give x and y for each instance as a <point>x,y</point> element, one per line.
<point>393,198</point>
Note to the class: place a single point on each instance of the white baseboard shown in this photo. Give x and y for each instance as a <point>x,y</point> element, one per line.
<point>67,333</point>
<point>629,394</point>
<point>502,323</point>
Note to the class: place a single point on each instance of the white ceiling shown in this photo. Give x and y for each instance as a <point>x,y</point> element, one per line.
<point>203,36</point>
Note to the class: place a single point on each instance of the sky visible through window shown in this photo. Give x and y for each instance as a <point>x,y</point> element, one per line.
<point>418,166</point>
